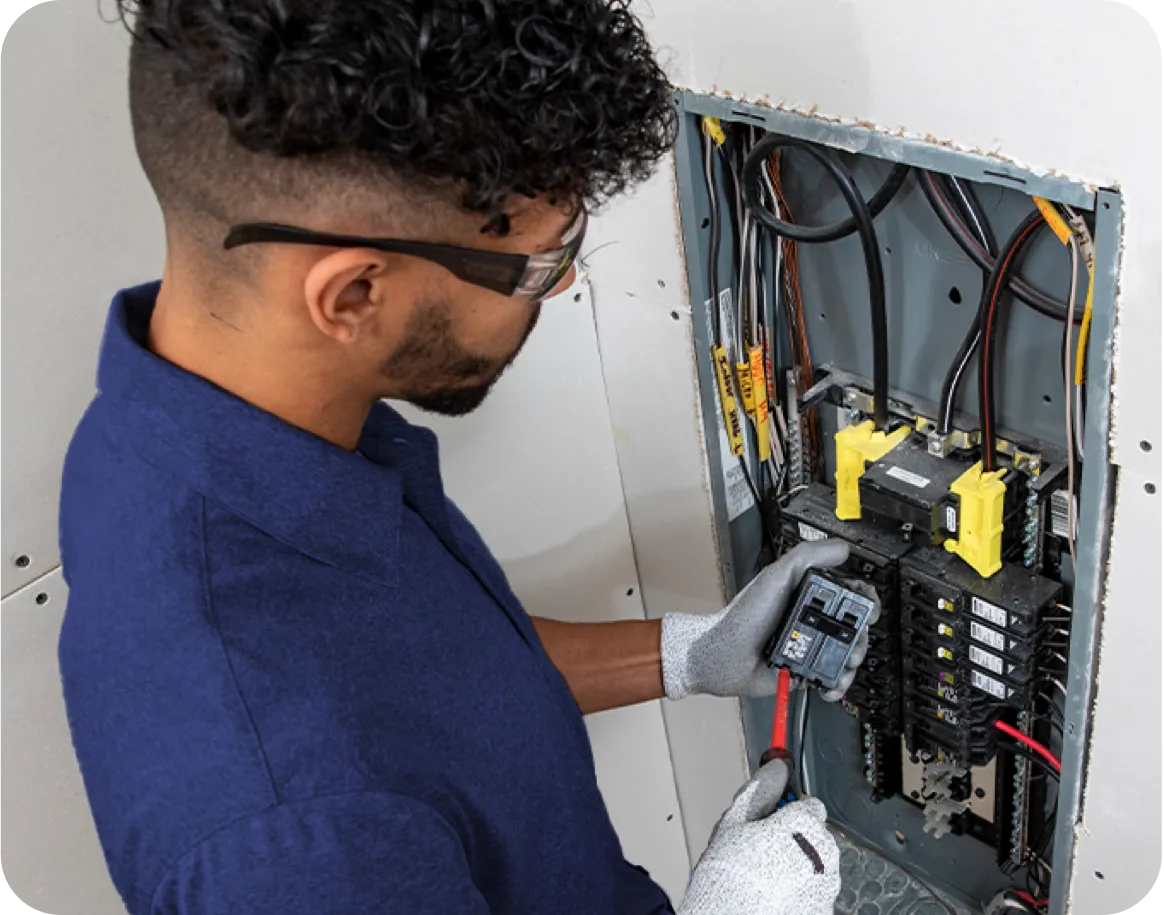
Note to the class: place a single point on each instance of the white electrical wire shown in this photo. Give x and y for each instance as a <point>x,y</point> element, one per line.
<point>1056,682</point>
<point>1067,386</point>
<point>1079,421</point>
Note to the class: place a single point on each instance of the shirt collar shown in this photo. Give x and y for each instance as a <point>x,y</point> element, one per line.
<point>338,507</point>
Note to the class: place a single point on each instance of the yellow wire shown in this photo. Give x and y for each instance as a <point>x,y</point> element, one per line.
<point>1085,325</point>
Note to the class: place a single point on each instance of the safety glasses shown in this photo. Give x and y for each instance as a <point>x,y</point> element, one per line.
<point>530,275</point>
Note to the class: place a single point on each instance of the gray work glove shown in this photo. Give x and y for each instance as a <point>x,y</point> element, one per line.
<point>763,861</point>
<point>721,654</point>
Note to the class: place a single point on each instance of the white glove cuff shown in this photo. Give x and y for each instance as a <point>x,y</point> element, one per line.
<point>680,632</point>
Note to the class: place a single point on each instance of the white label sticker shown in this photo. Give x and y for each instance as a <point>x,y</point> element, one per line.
<point>811,533</point>
<point>988,611</point>
<point>911,478</point>
<point>736,490</point>
<point>986,659</point>
<point>951,519</point>
<point>981,633</point>
<point>988,684</point>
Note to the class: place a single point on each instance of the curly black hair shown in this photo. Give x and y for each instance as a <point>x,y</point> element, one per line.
<point>490,97</point>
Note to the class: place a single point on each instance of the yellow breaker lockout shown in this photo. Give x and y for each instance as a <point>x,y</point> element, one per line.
<point>980,505</point>
<point>857,446</point>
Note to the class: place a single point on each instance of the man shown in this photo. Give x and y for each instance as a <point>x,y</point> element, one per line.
<point>297,681</point>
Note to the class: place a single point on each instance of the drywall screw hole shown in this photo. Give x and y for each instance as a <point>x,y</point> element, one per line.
<point>1046,398</point>
<point>955,295</point>
<point>670,817</point>
<point>1145,446</point>
<point>577,297</point>
<point>888,250</point>
<point>1150,488</point>
<point>662,285</point>
<point>980,792</point>
<point>42,599</point>
<point>704,222</point>
<point>630,592</point>
<point>22,561</point>
<point>1098,875</point>
<point>822,316</point>
<point>674,316</point>
<point>1106,206</point>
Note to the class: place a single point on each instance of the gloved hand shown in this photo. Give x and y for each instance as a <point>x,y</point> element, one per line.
<point>720,654</point>
<point>761,862</point>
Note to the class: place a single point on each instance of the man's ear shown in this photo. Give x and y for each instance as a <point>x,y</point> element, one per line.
<point>341,296</point>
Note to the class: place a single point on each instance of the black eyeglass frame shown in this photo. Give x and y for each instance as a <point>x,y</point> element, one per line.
<point>530,275</point>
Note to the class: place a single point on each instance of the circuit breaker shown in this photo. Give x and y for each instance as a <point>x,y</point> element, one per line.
<point>893,345</point>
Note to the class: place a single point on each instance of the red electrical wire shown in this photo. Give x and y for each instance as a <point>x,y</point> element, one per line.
<point>780,716</point>
<point>1029,899</point>
<point>1029,742</point>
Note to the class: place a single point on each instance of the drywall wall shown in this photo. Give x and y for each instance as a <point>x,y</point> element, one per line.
<point>1072,87</point>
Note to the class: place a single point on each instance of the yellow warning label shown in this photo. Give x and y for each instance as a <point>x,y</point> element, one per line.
<point>731,416</point>
<point>744,378</point>
<point>760,396</point>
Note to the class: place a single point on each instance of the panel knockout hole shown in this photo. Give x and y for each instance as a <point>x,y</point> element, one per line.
<point>955,295</point>
<point>22,561</point>
<point>42,599</point>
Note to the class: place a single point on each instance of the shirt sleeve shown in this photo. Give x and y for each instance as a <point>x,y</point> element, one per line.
<point>355,854</point>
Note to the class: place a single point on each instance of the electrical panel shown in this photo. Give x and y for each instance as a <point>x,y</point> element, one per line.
<point>893,351</point>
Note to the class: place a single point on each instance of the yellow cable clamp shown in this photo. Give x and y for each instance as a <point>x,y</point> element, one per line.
<point>731,416</point>
<point>857,446</point>
<point>714,129</point>
<point>981,496</point>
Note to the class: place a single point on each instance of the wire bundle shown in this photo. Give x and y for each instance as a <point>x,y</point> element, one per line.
<point>860,221</point>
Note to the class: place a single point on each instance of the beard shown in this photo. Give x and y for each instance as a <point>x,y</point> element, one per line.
<point>456,382</point>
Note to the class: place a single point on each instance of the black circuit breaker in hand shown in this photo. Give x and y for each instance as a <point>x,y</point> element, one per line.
<point>820,631</point>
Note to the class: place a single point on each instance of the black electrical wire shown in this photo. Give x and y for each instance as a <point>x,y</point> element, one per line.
<point>1013,746</point>
<point>713,272</point>
<point>973,213</point>
<point>815,234</point>
<point>1030,295</point>
<point>713,246</point>
<point>863,221</point>
<point>987,315</point>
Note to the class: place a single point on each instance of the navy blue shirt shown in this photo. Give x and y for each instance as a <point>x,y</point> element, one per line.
<point>298,682</point>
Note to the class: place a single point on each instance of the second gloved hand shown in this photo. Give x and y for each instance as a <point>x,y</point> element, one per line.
<point>764,861</point>
<point>721,654</point>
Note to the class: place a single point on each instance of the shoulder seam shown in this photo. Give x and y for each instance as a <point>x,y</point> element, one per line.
<point>212,615</point>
